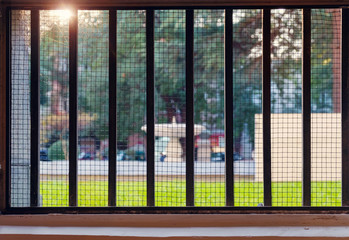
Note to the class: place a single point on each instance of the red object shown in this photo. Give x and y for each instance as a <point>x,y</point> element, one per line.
<point>214,139</point>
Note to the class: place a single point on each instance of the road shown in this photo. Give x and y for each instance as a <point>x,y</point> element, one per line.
<point>130,168</point>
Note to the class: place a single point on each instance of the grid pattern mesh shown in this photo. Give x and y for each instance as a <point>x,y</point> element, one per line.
<point>93,65</point>
<point>170,107</point>
<point>20,108</point>
<point>286,120</point>
<point>54,117</point>
<point>131,108</point>
<point>209,107</point>
<point>326,108</point>
<point>286,106</point>
<point>247,121</point>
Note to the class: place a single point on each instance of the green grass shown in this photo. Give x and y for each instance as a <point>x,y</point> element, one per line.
<point>172,193</point>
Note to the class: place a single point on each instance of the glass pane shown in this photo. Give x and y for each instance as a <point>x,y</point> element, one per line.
<point>20,108</point>
<point>93,82</point>
<point>326,147</point>
<point>131,108</point>
<point>286,107</point>
<point>54,112</point>
<point>170,108</point>
<point>209,107</point>
<point>247,120</point>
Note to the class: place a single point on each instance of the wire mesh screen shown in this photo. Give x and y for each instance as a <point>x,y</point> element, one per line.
<point>20,108</point>
<point>54,117</point>
<point>247,121</point>
<point>93,60</point>
<point>286,107</point>
<point>131,108</point>
<point>326,107</point>
<point>209,107</point>
<point>170,108</point>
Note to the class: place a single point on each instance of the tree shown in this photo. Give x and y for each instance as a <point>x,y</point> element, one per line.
<point>209,67</point>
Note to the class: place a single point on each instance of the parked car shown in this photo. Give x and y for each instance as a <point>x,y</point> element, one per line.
<point>121,156</point>
<point>217,157</point>
<point>140,156</point>
<point>44,155</point>
<point>85,156</point>
<point>220,156</point>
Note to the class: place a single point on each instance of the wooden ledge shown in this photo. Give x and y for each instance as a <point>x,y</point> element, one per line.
<point>174,3</point>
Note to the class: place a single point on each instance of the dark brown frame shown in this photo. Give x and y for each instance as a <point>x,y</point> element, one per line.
<point>190,5</point>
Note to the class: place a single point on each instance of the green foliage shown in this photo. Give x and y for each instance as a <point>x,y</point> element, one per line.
<point>44,88</point>
<point>55,151</point>
<point>208,66</point>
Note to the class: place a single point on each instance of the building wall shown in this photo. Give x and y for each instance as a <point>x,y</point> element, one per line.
<point>286,147</point>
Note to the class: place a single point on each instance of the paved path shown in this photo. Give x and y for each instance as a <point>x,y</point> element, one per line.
<point>129,168</point>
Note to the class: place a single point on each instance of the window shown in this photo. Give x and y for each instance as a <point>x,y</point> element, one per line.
<point>172,109</point>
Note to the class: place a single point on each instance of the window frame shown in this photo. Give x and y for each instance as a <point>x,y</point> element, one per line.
<point>6,7</point>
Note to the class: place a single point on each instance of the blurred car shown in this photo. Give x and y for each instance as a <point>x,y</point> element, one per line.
<point>217,157</point>
<point>44,155</point>
<point>237,156</point>
<point>220,156</point>
<point>85,156</point>
<point>121,156</point>
<point>140,156</point>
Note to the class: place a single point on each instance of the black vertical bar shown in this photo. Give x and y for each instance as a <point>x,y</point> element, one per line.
<point>112,109</point>
<point>8,18</point>
<point>266,108</point>
<point>73,109</point>
<point>34,108</point>
<point>345,107</point>
<point>306,114</point>
<point>150,109</point>
<point>228,106</point>
<point>189,133</point>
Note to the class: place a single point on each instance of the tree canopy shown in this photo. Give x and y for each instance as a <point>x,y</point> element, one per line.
<point>286,46</point>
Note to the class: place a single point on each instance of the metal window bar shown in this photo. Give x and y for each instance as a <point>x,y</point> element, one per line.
<point>35,109</point>
<point>112,109</point>
<point>150,157</point>
<point>8,15</point>
<point>345,106</point>
<point>306,113</point>
<point>266,25</point>
<point>73,110</point>
<point>229,108</point>
<point>189,75</point>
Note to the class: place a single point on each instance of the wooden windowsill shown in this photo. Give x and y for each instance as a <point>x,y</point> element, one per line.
<point>174,3</point>
<point>202,226</point>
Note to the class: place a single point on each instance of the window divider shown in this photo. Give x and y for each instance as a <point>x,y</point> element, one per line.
<point>228,107</point>
<point>345,107</point>
<point>306,105</point>
<point>189,130</point>
<point>112,109</point>
<point>5,120</point>
<point>35,109</point>
<point>73,109</point>
<point>150,157</point>
<point>266,108</point>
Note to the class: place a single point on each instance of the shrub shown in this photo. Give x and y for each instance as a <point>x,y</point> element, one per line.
<point>55,152</point>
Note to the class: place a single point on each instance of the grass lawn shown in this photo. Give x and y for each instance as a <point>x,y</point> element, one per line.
<point>172,193</point>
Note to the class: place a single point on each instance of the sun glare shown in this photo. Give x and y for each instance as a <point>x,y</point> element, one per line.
<point>62,15</point>
<point>65,14</point>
